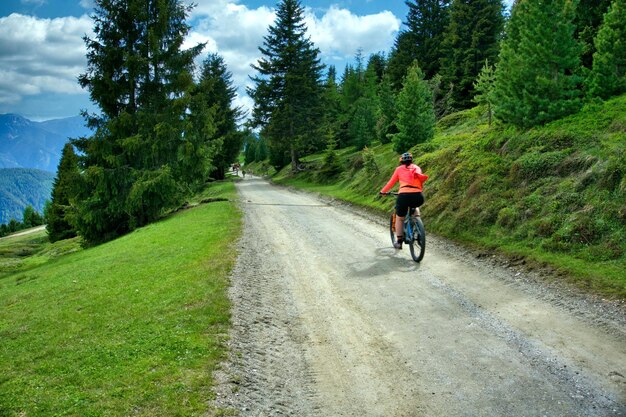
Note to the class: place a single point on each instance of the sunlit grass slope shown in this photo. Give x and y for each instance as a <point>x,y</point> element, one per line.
<point>132,327</point>
<point>554,194</point>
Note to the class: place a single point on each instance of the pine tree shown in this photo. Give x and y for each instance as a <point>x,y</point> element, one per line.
<point>386,112</point>
<point>203,143</point>
<point>31,218</point>
<point>218,93</point>
<point>359,102</point>
<point>140,77</point>
<point>536,79</point>
<point>287,91</point>
<point>400,58</point>
<point>64,191</point>
<point>422,41</point>
<point>363,123</point>
<point>484,87</point>
<point>472,37</point>
<point>250,150</point>
<point>376,66</point>
<point>331,164</point>
<point>589,16</point>
<point>442,96</point>
<point>608,75</point>
<point>331,100</point>
<point>261,153</point>
<point>416,117</point>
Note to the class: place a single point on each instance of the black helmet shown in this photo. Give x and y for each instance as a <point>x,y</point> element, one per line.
<point>406,157</point>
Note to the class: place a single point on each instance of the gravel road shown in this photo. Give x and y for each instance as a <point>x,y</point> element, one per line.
<point>329,320</point>
<point>25,232</point>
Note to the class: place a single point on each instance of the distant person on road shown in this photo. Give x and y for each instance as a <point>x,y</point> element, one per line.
<point>243,172</point>
<point>410,193</point>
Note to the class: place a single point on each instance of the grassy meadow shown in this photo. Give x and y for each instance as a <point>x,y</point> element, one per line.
<point>135,326</point>
<point>554,195</point>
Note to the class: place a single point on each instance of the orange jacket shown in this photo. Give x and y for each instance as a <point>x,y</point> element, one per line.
<point>410,177</point>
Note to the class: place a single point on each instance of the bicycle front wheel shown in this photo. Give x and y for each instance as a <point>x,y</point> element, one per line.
<point>417,244</point>
<point>392,228</point>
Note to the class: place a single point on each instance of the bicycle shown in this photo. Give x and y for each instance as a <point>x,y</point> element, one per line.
<point>414,232</point>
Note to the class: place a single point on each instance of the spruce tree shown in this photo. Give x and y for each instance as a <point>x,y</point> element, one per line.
<point>588,19</point>
<point>484,87</point>
<point>472,37</point>
<point>288,88</point>
<point>363,123</point>
<point>217,92</point>
<point>139,76</point>
<point>422,41</point>
<point>416,117</point>
<point>386,112</point>
<point>400,58</point>
<point>608,75</point>
<point>359,102</point>
<point>261,153</point>
<point>250,150</point>
<point>536,76</point>
<point>31,218</point>
<point>59,213</point>
<point>331,100</point>
<point>442,96</point>
<point>376,66</point>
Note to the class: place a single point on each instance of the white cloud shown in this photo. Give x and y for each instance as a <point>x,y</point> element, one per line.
<point>339,32</point>
<point>41,55</point>
<point>236,32</point>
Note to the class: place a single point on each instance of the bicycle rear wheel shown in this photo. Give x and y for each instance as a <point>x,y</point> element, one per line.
<point>417,244</point>
<point>392,228</point>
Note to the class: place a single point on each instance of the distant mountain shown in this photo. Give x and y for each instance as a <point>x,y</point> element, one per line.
<point>21,187</point>
<point>72,127</point>
<point>28,144</point>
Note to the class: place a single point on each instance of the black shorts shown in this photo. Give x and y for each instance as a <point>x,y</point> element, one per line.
<point>406,200</point>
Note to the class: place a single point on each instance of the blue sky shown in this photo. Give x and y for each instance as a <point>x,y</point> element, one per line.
<point>42,51</point>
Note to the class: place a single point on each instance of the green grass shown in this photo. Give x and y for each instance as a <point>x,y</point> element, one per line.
<point>554,194</point>
<point>25,252</point>
<point>135,326</point>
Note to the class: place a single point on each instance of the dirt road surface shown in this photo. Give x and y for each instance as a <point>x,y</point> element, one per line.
<point>25,232</point>
<point>330,320</point>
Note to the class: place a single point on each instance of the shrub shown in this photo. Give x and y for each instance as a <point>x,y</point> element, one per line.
<point>331,164</point>
<point>613,173</point>
<point>507,217</point>
<point>369,162</point>
<point>534,165</point>
<point>547,226</point>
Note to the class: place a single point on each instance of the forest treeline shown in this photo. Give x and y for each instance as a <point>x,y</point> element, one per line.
<point>23,194</point>
<point>539,63</point>
<point>165,127</point>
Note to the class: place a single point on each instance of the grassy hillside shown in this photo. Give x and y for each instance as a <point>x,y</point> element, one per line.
<point>555,195</point>
<point>21,187</point>
<point>132,327</point>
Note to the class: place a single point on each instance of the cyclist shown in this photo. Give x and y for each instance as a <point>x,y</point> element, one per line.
<point>410,192</point>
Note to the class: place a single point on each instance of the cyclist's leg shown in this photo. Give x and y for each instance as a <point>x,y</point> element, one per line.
<point>399,227</point>
<point>416,201</point>
<point>401,209</point>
